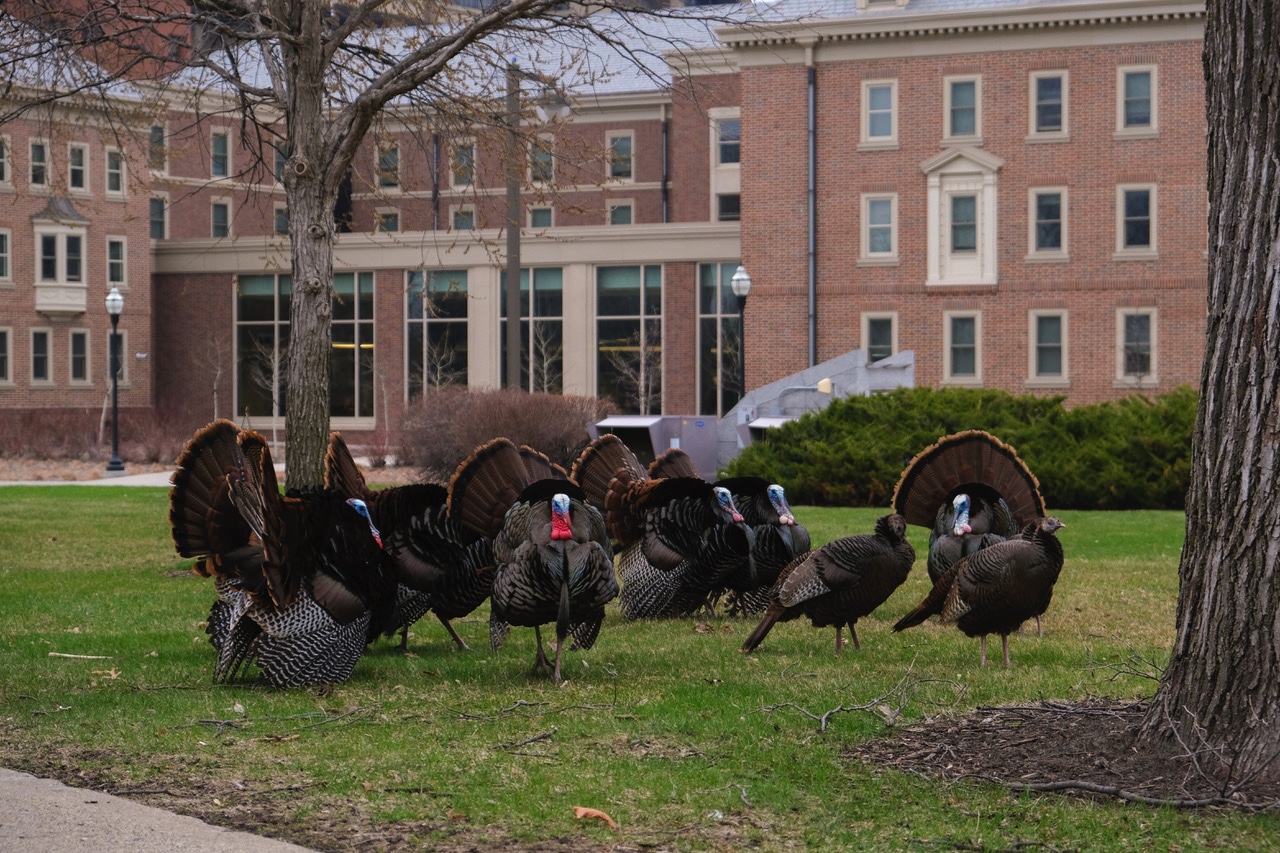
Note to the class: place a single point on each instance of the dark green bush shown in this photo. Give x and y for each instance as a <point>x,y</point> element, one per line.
<point>1133,453</point>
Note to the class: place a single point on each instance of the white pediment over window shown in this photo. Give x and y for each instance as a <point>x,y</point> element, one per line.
<point>962,216</point>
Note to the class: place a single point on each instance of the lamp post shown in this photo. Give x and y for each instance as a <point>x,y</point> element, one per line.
<point>551,107</point>
<point>115,305</point>
<point>741,286</point>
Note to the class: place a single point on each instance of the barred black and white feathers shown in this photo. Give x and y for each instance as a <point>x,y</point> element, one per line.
<point>998,588</point>
<point>840,582</point>
<point>301,579</point>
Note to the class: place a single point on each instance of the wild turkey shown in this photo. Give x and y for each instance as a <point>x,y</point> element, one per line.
<point>439,567</point>
<point>841,581</point>
<point>678,538</point>
<point>553,558</point>
<point>302,580</point>
<point>998,588</point>
<point>779,538</point>
<point>971,490</point>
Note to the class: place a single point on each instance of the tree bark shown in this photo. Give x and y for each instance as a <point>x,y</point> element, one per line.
<point>1220,695</point>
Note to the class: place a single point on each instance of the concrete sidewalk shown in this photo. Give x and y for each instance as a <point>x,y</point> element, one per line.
<point>158,478</point>
<point>39,815</point>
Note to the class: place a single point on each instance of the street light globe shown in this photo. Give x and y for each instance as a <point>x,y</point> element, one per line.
<point>115,302</point>
<point>741,282</point>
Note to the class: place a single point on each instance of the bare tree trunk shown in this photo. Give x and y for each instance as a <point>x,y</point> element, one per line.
<point>1220,696</point>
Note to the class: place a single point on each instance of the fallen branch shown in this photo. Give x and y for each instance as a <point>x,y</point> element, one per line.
<point>81,657</point>
<point>528,740</point>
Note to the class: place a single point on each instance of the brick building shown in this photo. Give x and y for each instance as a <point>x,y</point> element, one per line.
<point>1013,191</point>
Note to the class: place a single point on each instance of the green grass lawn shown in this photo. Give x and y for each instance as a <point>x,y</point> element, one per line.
<point>663,725</point>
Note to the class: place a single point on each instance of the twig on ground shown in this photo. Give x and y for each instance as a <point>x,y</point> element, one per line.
<point>529,740</point>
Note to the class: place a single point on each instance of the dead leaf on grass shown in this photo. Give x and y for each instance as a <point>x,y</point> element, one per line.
<point>581,812</point>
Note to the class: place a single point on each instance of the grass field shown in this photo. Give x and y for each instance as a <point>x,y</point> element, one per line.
<point>683,741</point>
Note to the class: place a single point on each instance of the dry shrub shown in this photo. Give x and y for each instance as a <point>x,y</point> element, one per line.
<point>51,433</point>
<point>441,429</point>
<point>150,437</point>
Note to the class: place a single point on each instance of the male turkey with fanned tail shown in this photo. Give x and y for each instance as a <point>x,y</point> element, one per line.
<point>302,581</point>
<point>840,582</point>
<point>995,590</point>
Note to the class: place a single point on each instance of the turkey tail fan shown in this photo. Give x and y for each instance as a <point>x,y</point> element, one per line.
<point>538,467</point>
<point>673,463</point>
<point>486,485</point>
<point>201,516</point>
<point>340,471</point>
<point>598,464</point>
<point>973,461</point>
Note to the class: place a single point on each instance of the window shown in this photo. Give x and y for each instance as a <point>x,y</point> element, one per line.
<point>6,266</point>
<point>78,168</point>
<point>1136,346</point>
<point>540,217</point>
<point>621,162</point>
<point>725,201</point>
<point>729,141</point>
<point>389,167</point>
<point>6,356</point>
<point>1048,222</point>
<point>281,217</point>
<point>1048,352</point>
<point>41,369</point>
<point>116,263</point>
<point>964,223</point>
<point>719,340</point>
<point>220,219</point>
<point>541,161</point>
<point>963,100</point>
<point>1136,101</point>
<point>629,338</point>
<point>5,177</point>
<point>879,227</point>
<point>879,112</point>
<point>620,213</point>
<point>961,216</point>
<point>879,335</point>
<point>728,207</point>
<point>39,174</point>
<point>436,330</point>
<point>544,336</point>
<point>1049,104</point>
<point>1135,221</point>
<point>962,348</point>
<point>464,217</point>
<point>115,172</point>
<point>351,352</point>
<point>79,356</point>
<point>281,158</point>
<point>463,171</point>
<point>385,221</point>
<point>159,218</point>
<point>61,255</point>
<point>219,155</point>
<point>157,157</point>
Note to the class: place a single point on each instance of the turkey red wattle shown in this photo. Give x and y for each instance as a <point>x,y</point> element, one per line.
<point>561,526</point>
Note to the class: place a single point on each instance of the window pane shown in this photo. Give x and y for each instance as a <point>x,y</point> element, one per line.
<point>1048,346</point>
<point>620,157</point>
<point>879,338</point>
<point>447,294</point>
<point>221,221</point>
<point>728,208</point>
<point>963,346</point>
<point>1137,344</point>
<point>620,214</point>
<point>74,257</point>
<point>79,356</point>
<point>1048,221</point>
<point>255,300</point>
<point>964,223</point>
<point>344,296</point>
<point>618,291</point>
<point>157,219</point>
<point>219,155</point>
<point>540,217</point>
<point>1048,103</point>
<point>730,136</point>
<point>1137,218</point>
<point>155,150</point>
<point>40,356</point>
<point>548,292</point>
<point>389,167</point>
<point>541,163</point>
<point>879,226</point>
<point>963,108</point>
<point>463,165</point>
<point>1137,99</point>
<point>48,257</point>
<point>342,371</point>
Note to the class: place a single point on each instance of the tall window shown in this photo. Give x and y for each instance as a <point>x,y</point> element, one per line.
<point>220,219</point>
<point>1136,220</point>
<point>5,176</point>
<point>543,303</point>
<point>620,157</point>
<point>219,155</point>
<point>629,337</point>
<point>157,157</point>
<point>719,340</point>
<point>879,227</point>
<point>1048,221</point>
<point>351,353</point>
<point>1048,102</point>
<point>6,266</point>
<point>1136,100</point>
<point>879,112</point>
<point>964,223</point>
<point>78,168</point>
<point>39,172</point>
<point>159,218</point>
<point>463,170</point>
<point>542,164</point>
<point>388,166</point>
<point>79,356</point>
<point>6,355</point>
<point>729,141</point>
<point>262,340</point>
<point>41,370</point>
<point>1048,346</point>
<point>1136,345</point>
<point>962,333</point>
<point>115,172</point>
<point>436,330</point>
<point>879,335</point>
<point>963,97</point>
<point>116,262</point>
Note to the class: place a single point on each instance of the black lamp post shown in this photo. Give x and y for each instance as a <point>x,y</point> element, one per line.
<point>115,304</point>
<point>741,286</point>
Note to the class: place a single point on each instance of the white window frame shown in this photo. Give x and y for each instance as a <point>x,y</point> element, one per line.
<point>6,355</point>
<point>1034,377</point>
<point>610,138</point>
<point>1137,253</point>
<point>456,210</point>
<point>107,172</point>
<point>41,186</point>
<point>615,204</point>
<point>726,178</point>
<point>6,162</point>
<point>60,233</point>
<point>83,169</point>
<point>163,198</point>
<point>87,379</point>
<point>1034,253</point>
<point>1124,131</point>
<point>213,205</point>
<point>528,215</point>
<point>6,258</point>
<point>123,281</point>
<point>948,82</point>
<point>866,256</point>
<point>1034,134</point>
<point>867,317</point>
<point>214,136</point>
<point>867,141</point>
<point>543,142</point>
<point>48,350</point>
<point>1133,380</point>
<point>454,163</point>
<point>962,171</point>
<point>380,215</point>
<point>948,376</point>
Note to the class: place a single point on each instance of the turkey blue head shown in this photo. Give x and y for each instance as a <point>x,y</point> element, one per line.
<point>561,526</point>
<point>724,499</point>
<point>363,508</point>
<point>778,498</point>
<point>960,504</point>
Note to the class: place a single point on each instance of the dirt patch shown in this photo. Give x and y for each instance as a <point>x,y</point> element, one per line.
<point>24,469</point>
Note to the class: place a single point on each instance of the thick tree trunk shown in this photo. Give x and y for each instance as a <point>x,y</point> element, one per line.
<point>1220,696</point>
